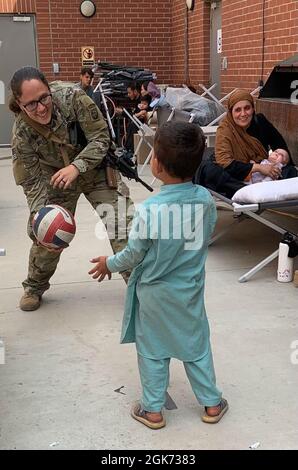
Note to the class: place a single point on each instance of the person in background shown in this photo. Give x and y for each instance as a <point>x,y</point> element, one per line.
<point>243,140</point>
<point>149,88</point>
<point>134,95</point>
<point>86,77</point>
<point>144,106</point>
<point>244,136</point>
<point>279,158</point>
<point>144,87</point>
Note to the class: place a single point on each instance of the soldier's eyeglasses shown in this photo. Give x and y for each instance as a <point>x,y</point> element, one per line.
<point>44,100</point>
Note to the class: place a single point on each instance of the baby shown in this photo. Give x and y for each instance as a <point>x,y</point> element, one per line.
<point>278,157</point>
<point>144,108</point>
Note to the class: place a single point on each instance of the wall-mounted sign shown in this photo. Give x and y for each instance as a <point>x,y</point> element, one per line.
<point>87,53</point>
<point>25,19</point>
<point>219,41</point>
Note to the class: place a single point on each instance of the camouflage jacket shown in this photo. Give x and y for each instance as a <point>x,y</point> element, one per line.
<point>35,158</point>
<point>89,90</point>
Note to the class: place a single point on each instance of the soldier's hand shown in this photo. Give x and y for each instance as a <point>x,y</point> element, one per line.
<point>64,177</point>
<point>100,271</point>
<point>51,250</point>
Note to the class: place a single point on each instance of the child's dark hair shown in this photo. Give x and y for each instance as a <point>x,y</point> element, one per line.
<point>21,75</point>
<point>146,98</point>
<point>179,147</point>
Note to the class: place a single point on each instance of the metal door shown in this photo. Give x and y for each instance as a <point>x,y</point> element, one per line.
<point>17,49</point>
<point>215,45</point>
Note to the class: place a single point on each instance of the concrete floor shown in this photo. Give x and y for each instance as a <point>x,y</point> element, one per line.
<point>64,361</point>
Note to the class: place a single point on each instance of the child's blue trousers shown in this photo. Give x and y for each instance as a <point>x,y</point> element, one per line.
<point>154,376</point>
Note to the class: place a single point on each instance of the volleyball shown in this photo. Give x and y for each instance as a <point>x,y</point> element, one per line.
<point>54,226</point>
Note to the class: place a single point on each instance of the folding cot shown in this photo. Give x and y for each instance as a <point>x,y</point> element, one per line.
<point>255,211</point>
<point>241,211</point>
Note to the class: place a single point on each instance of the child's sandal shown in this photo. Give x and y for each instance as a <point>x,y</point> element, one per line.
<point>214,419</point>
<point>140,415</point>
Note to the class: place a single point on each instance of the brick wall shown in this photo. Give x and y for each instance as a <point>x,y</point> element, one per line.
<point>152,34</point>
<point>198,43</point>
<point>242,24</point>
<point>134,32</point>
<point>242,36</point>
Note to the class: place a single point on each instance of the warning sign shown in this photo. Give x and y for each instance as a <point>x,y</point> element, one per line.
<point>87,53</point>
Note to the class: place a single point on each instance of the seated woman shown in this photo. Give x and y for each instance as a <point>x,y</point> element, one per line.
<point>149,88</point>
<point>243,140</point>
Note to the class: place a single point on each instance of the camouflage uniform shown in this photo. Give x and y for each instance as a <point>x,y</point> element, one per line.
<point>36,160</point>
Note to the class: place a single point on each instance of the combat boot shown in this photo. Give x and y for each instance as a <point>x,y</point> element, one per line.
<point>30,301</point>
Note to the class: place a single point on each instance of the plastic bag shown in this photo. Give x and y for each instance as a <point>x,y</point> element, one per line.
<point>205,110</point>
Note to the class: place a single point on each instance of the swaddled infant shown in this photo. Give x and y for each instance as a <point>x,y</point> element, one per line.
<point>279,158</point>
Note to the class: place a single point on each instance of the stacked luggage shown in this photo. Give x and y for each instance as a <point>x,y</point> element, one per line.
<point>116,78</point>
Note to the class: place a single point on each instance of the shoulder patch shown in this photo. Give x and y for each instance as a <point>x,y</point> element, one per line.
<point>93,110</point>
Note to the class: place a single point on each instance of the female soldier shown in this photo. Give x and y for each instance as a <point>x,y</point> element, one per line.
<point>59,142</point>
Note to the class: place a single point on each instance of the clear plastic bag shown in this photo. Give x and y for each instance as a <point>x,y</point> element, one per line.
<point>205,110</point>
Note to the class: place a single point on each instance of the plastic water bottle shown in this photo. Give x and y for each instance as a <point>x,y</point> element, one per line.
<point>285,263</point>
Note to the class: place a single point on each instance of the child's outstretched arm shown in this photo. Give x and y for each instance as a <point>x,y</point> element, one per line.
<point>134,252</point>
<point>100,270</point>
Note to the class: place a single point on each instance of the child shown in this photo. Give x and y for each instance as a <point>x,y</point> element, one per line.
<point>164,312</point>
<point>278,157</point>
<point>144,108</point>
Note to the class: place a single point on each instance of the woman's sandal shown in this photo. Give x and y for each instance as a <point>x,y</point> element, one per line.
<point>140,415</point>
<point>214,419</point>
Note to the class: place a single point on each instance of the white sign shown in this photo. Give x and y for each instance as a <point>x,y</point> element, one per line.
<point>219,41</point>
<point>2,92</point>
<point>25,19</point>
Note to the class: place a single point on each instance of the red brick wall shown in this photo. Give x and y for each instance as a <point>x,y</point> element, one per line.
<point>242,36</point>
<point>152,34</point>
<point>134,32</point>
<point>242,39</point>
<point>198,41</point>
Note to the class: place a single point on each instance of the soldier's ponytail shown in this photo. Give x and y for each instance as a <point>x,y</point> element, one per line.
<point>13,105</point>
<point>24,73</point>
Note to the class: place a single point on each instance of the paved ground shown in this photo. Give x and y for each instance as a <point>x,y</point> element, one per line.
<point>64,362</point>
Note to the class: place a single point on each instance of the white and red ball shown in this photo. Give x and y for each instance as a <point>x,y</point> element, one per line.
<point>54,226</point>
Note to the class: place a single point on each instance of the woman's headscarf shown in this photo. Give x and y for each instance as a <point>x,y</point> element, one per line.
<point>153,90</point>
<point>232,141</point>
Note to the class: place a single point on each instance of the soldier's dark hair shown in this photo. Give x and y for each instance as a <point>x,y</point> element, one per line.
<point>21,75</point>
<point>179,147</point>
<point>88,70</point>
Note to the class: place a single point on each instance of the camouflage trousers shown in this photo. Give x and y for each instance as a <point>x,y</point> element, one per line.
<point>43,263</point>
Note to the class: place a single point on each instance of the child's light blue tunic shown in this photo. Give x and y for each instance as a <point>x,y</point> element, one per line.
<point>164,309</point>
